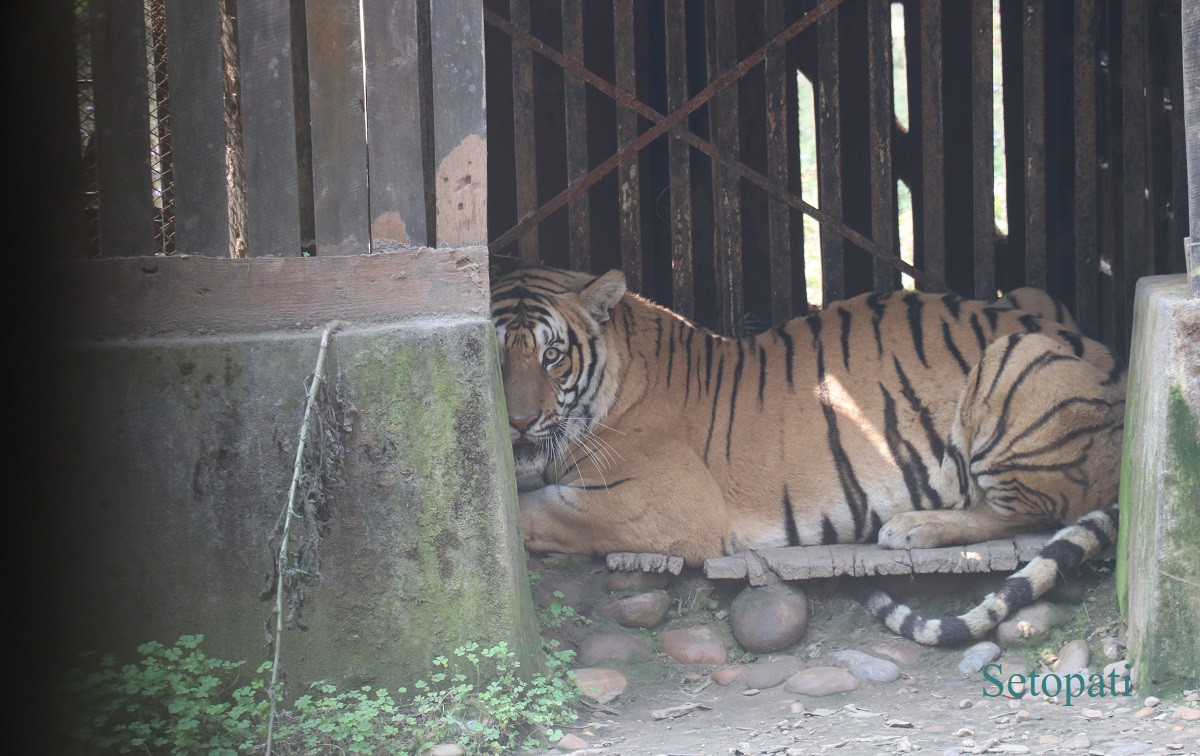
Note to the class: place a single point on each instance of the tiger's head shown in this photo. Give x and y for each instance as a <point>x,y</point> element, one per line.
<point>559,377</point>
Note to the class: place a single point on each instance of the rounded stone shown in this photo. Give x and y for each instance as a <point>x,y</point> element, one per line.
<point>821,681</point>
<point>1072,658</point>
<point>868,668</point>
<point>727,675</point>
<point>770,618</point>
<point>1031,623</point>
<point>599,683</point>
<point>639,610</point>
<point>773,673</point>
<point>978,656</point>
<point>447,749</point>
<point>695,645</point>
<point>613,647</point>
<point>902,651</point>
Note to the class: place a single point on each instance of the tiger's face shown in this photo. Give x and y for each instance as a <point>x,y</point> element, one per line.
<point>558,378</point>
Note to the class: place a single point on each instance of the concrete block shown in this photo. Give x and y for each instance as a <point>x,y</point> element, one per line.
<point>1158,571</point>
<point>176,458</point>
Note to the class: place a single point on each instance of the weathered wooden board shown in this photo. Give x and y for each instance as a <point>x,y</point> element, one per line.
<point>198,129</point>
<point>158,296</point>
<point>864,560</point>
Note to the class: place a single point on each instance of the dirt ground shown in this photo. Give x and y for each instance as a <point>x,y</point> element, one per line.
<point>932,708</point>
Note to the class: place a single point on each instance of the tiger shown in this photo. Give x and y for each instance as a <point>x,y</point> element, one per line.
<point>909,419</point>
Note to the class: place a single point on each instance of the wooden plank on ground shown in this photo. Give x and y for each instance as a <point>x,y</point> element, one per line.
<point>866,560</point>
<point>160,296</point>
<point>197,107</point>
<point>265,45</point>
<point>392,52</point>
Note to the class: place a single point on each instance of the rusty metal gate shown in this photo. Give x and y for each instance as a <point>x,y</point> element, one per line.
<point>1042,145</point>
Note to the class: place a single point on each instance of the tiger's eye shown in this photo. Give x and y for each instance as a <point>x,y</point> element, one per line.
<point>551,355</point>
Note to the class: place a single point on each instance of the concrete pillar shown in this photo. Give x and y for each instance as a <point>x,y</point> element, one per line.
<point>1158,574</point>
<point>177,456</point>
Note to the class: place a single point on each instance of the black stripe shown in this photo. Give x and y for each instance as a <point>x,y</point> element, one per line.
<point>708,355</point>
<point>957,355</point>
<point>626,322</point>
<point>1066,555</point>
<point>789,351</point>
<point>733,392</point>
<point>687,391</point>
<point>856,497</point>
<point>875,302</point>
<point>1114,374</point>
<point>897,446</point>
<point>952,302</point>
<point>978,330</point>
<point>914,303</point>
<point>952,631</point>
<point>670,353</point>
<point>991,313</point>
<point>1015,592</point>
<point>1030,323</point>
<point>844,316</point>
<point>712,422</point>
<point>814,323</point>
<point>936,445</point>
<point>789,519</point>
<point>828,532</point>
<point>1102,535</point>
<point>876,525</point>
<point>762,373</point>
<point>1074,339</point>
<point>1009,346</point>
<point>658,338</point>
<point>906,627</point>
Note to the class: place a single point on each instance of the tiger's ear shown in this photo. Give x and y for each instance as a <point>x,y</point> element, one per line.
<point>601,295</point>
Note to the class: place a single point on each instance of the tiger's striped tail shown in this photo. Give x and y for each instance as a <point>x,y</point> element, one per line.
<point>1089,536</point>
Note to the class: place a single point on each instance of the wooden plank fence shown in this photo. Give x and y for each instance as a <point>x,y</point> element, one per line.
<point>710,219</point>
<point>665,137</point>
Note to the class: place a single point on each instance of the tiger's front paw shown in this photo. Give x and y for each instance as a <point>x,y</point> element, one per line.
<point>913,530</point>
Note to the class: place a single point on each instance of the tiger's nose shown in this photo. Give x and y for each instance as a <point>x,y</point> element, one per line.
<point>522,423</point>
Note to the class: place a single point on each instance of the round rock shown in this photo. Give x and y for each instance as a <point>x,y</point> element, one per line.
<point>902,651</point>
<point>868,668</point>
<point>1031,623</point>
<point>770,618</point>
<point>692,645</point>
<point>977,657</point>
<point>773,673</point>
<point>613,647</point>
<point>821,681</point>
<point>727,675</point>
<point>639,610</point>
<point>1072,658</point>
<point>600,684</point>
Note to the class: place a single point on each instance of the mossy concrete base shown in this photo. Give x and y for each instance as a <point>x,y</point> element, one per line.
<point>176,461</point>
<point>1158,570</point>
